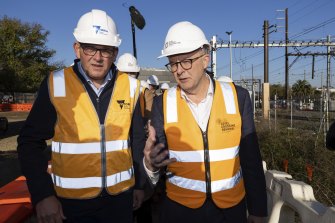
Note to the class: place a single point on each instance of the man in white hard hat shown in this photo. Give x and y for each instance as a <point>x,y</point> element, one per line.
<point>164,87</point>
<point>150,94</point>
<point>153,81</point>
<point>144,84</point>
<point>91,113</point>
<point>202,137</point>
<point>127,63</point>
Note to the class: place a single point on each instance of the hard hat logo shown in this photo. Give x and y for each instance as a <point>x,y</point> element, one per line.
<point>170,44</point>
<point>100,30</point>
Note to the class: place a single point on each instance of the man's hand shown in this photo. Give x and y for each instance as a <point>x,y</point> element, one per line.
<point>138,198</point>
<point>155,156</point>
<point>255,219</point>
<point>49,210</point>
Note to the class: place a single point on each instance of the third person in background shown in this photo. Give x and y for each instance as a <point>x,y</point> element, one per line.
<point>164,87</point>
<point>150,94</point>
<point>128,64</point>
<point>202,138</point>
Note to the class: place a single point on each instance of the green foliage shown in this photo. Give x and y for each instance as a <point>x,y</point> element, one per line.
<point>302,89</point>
<point>300,146</point>
<point>277,89</point>
<point>24,60</point>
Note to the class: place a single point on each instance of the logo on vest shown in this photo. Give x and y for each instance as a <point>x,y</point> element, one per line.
<point>226,126</point>
<point>123,104</point>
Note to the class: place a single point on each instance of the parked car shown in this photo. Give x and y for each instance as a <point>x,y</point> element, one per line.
<point>3,124</point>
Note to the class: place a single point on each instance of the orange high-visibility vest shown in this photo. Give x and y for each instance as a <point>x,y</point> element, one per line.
<point>142,99</point>
<point>208,163</point>
<point>88,156</point>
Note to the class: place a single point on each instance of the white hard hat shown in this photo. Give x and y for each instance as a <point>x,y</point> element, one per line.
<point>225,79</point>
<point>144,84</point>
<point>165,86</point>
<point>96,27</point>
<point>153,80</point>
<point>183,37</point>
<point>127,63</point>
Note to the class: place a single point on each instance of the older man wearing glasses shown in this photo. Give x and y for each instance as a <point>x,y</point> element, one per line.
<point>202,139</point>
<point>91,113</point>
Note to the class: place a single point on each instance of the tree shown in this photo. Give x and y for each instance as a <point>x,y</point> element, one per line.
<point>277,89</point>
<point>24,60</point>
<point>302,89</point>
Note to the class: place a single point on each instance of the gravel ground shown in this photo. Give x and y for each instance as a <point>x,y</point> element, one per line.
<point>8,138</point>
<point>9,166</point>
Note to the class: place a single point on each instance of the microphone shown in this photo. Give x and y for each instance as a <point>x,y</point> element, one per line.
<point>137,17</point>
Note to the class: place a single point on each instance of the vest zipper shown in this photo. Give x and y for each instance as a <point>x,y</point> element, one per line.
<point>103,146</point>
<point>103,155</point>
<point>207,165</point>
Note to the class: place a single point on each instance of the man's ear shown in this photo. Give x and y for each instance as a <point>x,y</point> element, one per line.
<point>76,48</point>
<point>116,52</point>
<point>206,60</point>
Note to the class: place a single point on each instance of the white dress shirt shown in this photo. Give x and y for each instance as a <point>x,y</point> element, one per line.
<point>200,111</point>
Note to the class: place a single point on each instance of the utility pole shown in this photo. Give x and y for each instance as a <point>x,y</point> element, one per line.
<point>286,56</point>
<point>321,101</point>
<point>231,55</point>
<point>213,57</point>
<point>266,51</point>
<point>266,87</point>
<point>253,91</point>
<point>304,75</point>
<point>328,83</point>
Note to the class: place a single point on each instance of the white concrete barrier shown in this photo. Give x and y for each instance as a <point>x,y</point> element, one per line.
<point>290,200</point>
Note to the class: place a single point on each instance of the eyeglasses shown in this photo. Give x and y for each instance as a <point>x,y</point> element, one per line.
<point>91,51</point>
<point>185,64</point>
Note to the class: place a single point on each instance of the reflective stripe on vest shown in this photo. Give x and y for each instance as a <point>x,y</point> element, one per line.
<point>59,84</point>
<point>198,155</point>
<point>89,182</point>
<point>86,148</point>
<point>200,186</point>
